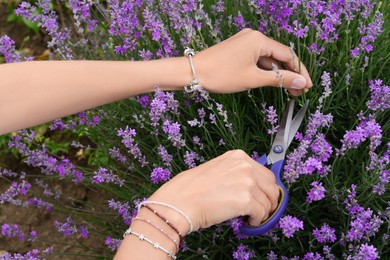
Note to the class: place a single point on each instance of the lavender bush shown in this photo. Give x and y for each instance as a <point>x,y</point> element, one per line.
<point>337,171</point>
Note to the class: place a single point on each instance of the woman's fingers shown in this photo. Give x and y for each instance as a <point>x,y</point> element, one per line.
<point>260,208</point>
<point>283,53</point>
<point>253,172</point>
<point>252,200</point>
<point>280,78</point>
<point>267,63</point>
<point>266,182</point>
<point>231,185</point>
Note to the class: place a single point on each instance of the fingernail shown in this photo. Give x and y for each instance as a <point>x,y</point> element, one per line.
<point>298,83</point>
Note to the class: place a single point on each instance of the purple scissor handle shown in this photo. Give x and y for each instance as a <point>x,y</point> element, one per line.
<point>286,132</point>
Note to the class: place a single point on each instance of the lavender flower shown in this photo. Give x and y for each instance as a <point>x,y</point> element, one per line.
<point>366,252</point>
<point>165,156</point>
<point>272,256</point>
<point>7,49</point>
<point>363,222</point>
<point>164,25</point>
<point>367,129</point>
<point>156,27</point>
<point>243,253</point>
<point>61,125</point>
<point>162,103</point>
<point>68,228</point>
<point>116,154</point>
<point>144,55</point>
<point>312,256</point>
<point>12,231</point>
<point>272,118</point>
<point>295,164</point>
<point>235,224</point>
<point>124,22</point>
<point>328,254</point>
<point>316,193</point>
<point>112,243</point>
<point>160,175</point>
<point>321,148</point>
<point>369,34</point>
<point>190,159</point>
<point>15,189</point>
<point>359,225</point>
<point>129,142</point>
<point>81,14</point>
<point>84,231</point>
<point>384,178</point>
<point>34,254</point>
<point>380,96</point>
<point>173,131</point>
<point>48,20</point>
<point>7,173</point>
<point>325,82</point>
<point>224,115</point>
<point>279,75</point>
<point>325,234</point>
<point>39,203</point>
<point>290,225</point>
<point>103,176</point>
<point>144,101</point>
<point>85,119</point>
<point>40,158</point>
<point>310,165</point>
<point>123,210</point>
<point>239,21</point>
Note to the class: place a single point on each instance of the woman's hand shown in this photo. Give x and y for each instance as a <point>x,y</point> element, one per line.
<point>244,61</point>
<point>228,186</point>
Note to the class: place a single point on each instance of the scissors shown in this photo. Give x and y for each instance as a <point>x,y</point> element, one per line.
<point>286,132</point>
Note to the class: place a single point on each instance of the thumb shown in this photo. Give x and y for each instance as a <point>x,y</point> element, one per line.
<point>282,78</point>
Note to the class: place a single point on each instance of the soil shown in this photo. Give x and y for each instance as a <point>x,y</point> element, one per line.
<point>38,219</point>
<point>25,39</point>
<point>42,222</point>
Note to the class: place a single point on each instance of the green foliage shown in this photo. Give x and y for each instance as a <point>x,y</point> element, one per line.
<point>245,114</point>
<point>13,18</point>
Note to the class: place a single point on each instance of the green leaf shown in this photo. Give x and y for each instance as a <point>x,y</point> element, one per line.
<point>55,147</point>
<point>11,18</point>
<point>33,26</point>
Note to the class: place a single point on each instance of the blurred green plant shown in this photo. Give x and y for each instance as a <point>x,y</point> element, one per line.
<point>13,18</point>
<point>245,114</point>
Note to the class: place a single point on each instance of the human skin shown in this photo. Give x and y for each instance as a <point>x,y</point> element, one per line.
<point>36,92</point>
<point>228,186</point>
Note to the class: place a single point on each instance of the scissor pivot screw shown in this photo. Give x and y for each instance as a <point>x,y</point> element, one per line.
<point>278,148</point>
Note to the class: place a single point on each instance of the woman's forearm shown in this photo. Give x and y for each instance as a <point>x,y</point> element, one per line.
<point>36,92</point>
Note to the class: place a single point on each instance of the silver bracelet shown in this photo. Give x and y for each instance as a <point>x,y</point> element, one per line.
<point>159,229</point>
<point>154,244</point>
<point>168,206</point>
<point>193,85</point>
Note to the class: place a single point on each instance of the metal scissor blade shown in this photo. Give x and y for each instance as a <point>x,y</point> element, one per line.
<point>282,135</point>
<point>287,124</point>
<point>284,125</point>
<point>296,122</point>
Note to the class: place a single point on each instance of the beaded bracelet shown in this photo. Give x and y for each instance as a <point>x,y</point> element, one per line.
<point>171,207</point>
<point>194,84</point>
<point>160,229</point>
<point>165,220</point>
<point>154,244</point>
